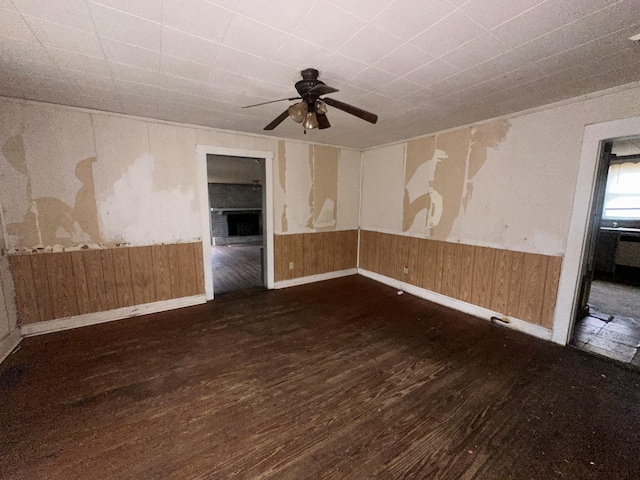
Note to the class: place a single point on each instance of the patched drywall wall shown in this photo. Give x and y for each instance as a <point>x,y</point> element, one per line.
<point>316,188</point>
<point>505,184</point>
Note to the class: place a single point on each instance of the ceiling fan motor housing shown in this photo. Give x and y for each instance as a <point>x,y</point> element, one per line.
<point>309,80</point>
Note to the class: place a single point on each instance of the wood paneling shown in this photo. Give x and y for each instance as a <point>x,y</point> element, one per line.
<point>80,281</point>
<point>94,273</point>
<point>187,260</point>
<point>311,254</point>
<point>161,272</point>
<point>515,283</point>
<point>141,260</point>
<point>314,253</point>
<point>124,284</point>
<point>550,291</point>
<point>521,285</point>
<point>63,284</point>
<point>467,255</point>
<point>451,269</point>
<point>41,285</point>
<point>25,289</point>
<point>483,261</point>
<point>501,277</point>
<point>109,273</point>
<point>429,257</point>
<point>534,274</point>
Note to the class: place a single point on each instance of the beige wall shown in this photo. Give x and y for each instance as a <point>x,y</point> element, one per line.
<point>505,184</point>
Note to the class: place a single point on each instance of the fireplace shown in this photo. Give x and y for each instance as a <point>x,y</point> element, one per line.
<point>243,224</point>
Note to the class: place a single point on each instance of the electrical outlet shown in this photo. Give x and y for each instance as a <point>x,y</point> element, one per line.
<point>406,270</point>
<point>290,265</point>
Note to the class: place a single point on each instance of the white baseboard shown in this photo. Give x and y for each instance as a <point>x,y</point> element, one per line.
<point>8,343</point>
<point>315,278</point>
<point>476,311</point>
<point>76,321</point>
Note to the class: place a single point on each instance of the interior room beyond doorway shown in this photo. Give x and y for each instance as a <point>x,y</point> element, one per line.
<point>236,200</point>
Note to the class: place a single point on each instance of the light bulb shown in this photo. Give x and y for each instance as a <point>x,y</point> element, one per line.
<point>310,121</point>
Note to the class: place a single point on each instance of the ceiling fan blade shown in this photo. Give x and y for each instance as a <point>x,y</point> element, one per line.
<point>323,121</point>
<point>278,120</point>
<point>323,90</point>
<point>358,112</point>
<point>271,101</point>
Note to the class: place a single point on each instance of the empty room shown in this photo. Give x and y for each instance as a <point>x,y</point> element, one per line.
<point>322,239</point>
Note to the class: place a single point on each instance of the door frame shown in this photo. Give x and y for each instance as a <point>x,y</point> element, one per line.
<point>205,215</point>
<point>572,265</point>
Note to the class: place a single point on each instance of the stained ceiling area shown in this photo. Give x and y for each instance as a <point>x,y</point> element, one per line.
<point>421,65</point>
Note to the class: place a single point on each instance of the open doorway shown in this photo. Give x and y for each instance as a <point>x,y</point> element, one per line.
<point>608,318</point>
<point>236,212</point>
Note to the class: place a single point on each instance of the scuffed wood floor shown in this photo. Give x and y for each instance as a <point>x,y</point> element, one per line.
<point>340,379</point>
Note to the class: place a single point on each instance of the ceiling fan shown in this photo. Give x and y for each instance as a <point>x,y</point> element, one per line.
<point>311,112</point>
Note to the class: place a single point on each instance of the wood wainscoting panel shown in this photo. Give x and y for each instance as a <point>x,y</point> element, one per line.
<point>451,269</point>
<point>26,293</point>
<point>61,284</point>
<point>141,260</point>
<point>429,259</point>
<point>501,279</point>
<point>369,250</point>
<point>161,272</point>
<point>467,254</point>
<point>109,273</point>
<point>534,274</point>
<point>124,284</point>
<point>52,285</point>
<point>314,253</point>
<point>550,291</point>
<point>81,284</point>
<point>516,284</point>
<point>311,242</point>
<point>483,262</point>
<point>41,285</point>
<point>95,275</point>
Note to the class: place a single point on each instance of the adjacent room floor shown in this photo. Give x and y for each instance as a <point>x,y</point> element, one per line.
<point>613,327</point>
<point>236,267</point>
<point>338,379</point>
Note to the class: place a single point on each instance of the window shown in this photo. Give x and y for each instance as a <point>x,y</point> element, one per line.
<point>622,197</point>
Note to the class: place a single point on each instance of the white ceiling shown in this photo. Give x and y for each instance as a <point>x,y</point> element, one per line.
<point>421,65</point>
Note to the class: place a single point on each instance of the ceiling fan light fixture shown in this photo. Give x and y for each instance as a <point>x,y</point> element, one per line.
<point>321,107</point>
<point>298,111</point>
<point>310,121</point>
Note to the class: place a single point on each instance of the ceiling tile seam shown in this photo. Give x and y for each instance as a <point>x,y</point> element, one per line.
<point>101,46</point>
<point>440,21</point>
<point>289,34</point>
<point>129,14</point>
<point>232,10</point>
<point>593,37</point>
<point>161,43</point>
<point>521,13</point>
<point>46,52</point>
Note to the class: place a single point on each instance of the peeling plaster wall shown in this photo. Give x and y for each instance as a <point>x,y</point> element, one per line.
<point>74,177</point>
<point>316,188</point>
<point>505,184</point>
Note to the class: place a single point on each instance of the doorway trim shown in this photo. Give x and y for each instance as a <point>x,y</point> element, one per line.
<point>203,188</point>
<point>569,286</point>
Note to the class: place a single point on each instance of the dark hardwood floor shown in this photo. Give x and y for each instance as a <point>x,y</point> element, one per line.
<point>236,268</point>
<point>339,379</point>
